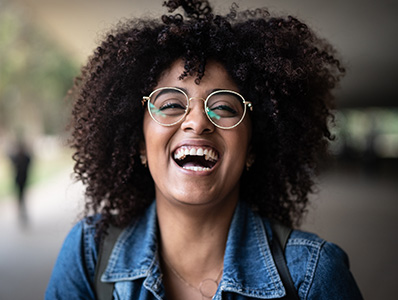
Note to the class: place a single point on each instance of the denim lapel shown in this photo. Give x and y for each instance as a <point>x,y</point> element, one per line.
<point>249,268</point>
<point>135,252</point>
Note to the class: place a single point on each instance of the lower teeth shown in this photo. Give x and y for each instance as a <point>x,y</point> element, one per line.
<point>196,168</point>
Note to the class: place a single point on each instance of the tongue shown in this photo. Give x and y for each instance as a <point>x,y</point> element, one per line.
<point>196,161</point>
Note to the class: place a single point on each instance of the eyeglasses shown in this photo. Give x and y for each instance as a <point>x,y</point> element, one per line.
<point>169,105</point>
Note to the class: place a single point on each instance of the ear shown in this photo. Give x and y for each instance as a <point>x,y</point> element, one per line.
<point>251,157</point>
<point>143,157</point>
<point>142,148</point>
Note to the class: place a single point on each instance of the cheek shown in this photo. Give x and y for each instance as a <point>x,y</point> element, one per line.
<point>151,137</point>
<point>243,137</point>
<point>157,139</point>
<point>238,146</point>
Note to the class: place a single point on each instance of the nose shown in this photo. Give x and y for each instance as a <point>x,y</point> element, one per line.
<point>196,119</point>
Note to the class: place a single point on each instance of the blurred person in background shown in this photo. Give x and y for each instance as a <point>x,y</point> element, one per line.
<point>21,160</point>
<point>194,136</point>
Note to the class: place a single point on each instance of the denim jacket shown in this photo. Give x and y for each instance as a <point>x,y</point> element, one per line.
<point>319,269</point>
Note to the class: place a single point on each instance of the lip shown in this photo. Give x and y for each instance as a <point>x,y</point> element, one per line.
<point>197,143</point>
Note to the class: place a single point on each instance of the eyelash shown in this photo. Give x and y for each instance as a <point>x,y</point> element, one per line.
<point>171,105</point>
<point>224,107</point>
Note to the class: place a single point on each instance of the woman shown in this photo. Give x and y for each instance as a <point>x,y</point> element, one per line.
<point>192,134</point>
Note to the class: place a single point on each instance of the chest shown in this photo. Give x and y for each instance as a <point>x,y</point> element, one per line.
<point>133,290</point>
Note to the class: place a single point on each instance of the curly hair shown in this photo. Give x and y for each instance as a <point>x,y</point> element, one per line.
<point>278,63</point>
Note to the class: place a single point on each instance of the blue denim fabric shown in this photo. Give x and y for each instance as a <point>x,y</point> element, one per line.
<point>319,269</point>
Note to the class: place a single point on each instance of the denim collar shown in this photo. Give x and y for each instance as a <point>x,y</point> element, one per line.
<point>249,269</point>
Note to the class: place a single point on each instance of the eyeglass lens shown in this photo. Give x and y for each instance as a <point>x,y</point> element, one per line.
<point>168,106</point>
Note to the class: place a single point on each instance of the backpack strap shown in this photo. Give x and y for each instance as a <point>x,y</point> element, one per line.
<point>281,235</point>
<point>104,290</point>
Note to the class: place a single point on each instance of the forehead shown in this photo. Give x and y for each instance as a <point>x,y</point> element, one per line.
<point>215,77</point>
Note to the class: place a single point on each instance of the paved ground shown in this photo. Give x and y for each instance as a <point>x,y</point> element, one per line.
<point>357,212</point>
<point>27,253</point>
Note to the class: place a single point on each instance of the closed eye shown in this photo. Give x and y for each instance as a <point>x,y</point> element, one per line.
<point>172,106</point>
<point>224,108</point>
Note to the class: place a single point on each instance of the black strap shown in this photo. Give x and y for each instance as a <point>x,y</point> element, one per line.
<point>104,290</point>
<point>281,235</point>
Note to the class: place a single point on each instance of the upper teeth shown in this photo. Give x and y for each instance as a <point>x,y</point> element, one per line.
<point>208,153</point>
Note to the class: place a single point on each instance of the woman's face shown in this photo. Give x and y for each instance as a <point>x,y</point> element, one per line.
<point>194,162</point>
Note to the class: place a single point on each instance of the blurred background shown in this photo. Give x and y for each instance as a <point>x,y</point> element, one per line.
<point>44,43</point>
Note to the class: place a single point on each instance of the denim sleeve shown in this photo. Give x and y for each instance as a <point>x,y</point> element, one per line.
<point>73,272</point>
<point>332,278</point>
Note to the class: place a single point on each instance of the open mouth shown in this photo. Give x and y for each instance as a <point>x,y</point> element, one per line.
<point>196,158</point>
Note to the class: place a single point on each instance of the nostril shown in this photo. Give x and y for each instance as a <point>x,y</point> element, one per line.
<point>197,120</point>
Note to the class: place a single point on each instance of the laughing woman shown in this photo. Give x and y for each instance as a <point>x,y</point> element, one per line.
<point>194,136</point>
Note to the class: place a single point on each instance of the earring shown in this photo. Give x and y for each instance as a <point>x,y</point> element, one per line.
<point>144,160</point>
<point>249,162</point>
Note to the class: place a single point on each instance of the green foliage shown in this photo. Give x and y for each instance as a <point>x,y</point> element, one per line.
<point>35,75</point>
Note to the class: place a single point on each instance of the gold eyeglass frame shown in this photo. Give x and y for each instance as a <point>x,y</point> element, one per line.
<point>146,99</point>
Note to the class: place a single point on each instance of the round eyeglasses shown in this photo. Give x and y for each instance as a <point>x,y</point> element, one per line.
<point>169,105</point>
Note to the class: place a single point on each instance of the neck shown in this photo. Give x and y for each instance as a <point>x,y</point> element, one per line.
<point>193,238</point>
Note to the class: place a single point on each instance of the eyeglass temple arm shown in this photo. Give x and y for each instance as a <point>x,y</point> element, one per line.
<point>249,105</point>
<point>144,100</point>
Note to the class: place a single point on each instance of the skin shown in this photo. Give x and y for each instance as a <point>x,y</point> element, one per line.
<point>195,208</point>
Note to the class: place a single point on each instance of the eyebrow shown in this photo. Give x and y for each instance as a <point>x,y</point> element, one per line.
<point>164,92</point>
<point>208,91</point>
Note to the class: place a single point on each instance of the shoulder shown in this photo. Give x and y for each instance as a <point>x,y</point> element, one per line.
<point>81,237</point>
<point>73,272</point>
<point>314,263</point>
<point>322,253</point>
<point>307,251</point>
